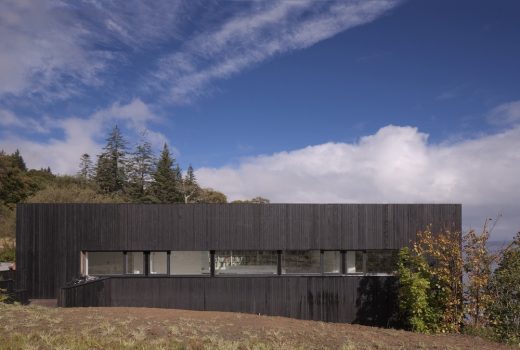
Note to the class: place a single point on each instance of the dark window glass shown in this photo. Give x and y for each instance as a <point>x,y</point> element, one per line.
<point>354,261</point>
<point>135,263</point>
<point>331,261</point>
<point>381,261</point>
<point>246,262</point>
<point>189,263</point>
<point>305,261</point>
<point>105,263</point>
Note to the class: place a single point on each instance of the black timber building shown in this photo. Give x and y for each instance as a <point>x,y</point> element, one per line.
<point>329,262</point>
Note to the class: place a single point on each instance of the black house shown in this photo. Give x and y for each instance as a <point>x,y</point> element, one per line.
<point>329,262</point>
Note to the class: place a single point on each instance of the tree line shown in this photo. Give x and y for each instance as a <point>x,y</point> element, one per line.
<point>140,177</point>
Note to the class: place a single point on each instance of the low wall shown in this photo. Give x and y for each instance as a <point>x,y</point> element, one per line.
<point>355,299</point>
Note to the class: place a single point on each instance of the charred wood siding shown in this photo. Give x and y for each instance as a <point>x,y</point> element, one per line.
<point>50,237</point>
<point>367,300</point>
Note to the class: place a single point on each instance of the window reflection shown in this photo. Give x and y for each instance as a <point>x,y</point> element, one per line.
<point>158,263</point>
<point>246,262</point>
<point>295,262</point>
<point>189,263</point>
<point>105,263</point>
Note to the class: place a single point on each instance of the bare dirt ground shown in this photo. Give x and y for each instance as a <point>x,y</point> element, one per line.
<point>37,327</point>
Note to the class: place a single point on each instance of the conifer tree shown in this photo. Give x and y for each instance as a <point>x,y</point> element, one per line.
<point>140,170</point>
<point>165,186</point>
<point>190,187</point>
<point>110,169</point>
<point>86,169</point>
<point>18,160</point>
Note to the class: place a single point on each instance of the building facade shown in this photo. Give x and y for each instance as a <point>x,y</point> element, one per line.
<point>329,262</point>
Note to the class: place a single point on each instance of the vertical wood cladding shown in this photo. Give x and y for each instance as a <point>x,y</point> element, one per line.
<point>51,236</point>
<point>361,299</point>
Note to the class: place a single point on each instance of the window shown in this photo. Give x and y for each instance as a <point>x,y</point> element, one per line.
<point>105,263</point>
<point>307,261</point>
<point>354,260</point>
<point>189,263</point>
<point>332,261</point>
<point>246,262</point>
<point>381,261</point>
<point>135,263</point>
<point>158,263</point>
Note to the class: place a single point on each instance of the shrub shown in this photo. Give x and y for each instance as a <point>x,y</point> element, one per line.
<point>504,312</point>
<point>7,251</point>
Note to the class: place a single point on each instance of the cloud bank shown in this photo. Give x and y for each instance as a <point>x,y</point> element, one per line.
<point>396,164</point>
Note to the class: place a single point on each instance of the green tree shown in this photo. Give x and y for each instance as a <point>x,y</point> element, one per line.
<point>190,187</point>
<point>86,169</point>
<point>18,160</point>
<point>437,258</point>
<point>256,200</point>
<point>111,165</point>
<point>13,183</point>
<point>140,170</point>
<point>165,186</point>
<point>209,195</point>
<point>504,311</point>
<point>416,311</point>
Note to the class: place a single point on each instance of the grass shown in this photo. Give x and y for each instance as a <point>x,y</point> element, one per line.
<point>36,327</point>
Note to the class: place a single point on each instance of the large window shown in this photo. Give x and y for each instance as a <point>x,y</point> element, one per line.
<point>135,263</point>
<point>332,261</point>
<point>246,262</point>
<point>105,263</point>
<point>240,262</point>
<point>301,262</point>
<point>189,263</point>
<point>158,263</point>
<point>381,261</point>
<point>354,261</point>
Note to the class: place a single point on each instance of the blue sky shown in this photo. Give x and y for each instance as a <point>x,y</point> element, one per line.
<point>297,101</point>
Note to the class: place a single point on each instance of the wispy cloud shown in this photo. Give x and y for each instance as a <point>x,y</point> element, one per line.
<point>505,114</point>
<point>258,33</point>
<point>53,49</point>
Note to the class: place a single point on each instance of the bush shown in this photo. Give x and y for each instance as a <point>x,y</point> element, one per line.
<point>415,304</point>
<point>7,251</point>
<point>504,312</point>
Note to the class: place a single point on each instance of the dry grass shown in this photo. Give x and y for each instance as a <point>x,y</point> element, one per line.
<point>36,327</point>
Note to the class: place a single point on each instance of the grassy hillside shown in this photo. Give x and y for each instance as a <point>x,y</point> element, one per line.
<point>36,327</point>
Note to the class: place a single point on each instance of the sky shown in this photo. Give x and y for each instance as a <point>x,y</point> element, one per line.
<point>372,101</point>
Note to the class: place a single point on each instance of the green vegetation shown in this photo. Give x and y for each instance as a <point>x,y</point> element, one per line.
<point>118,176</point>
<point>431,290</point>
<point>504,311</point>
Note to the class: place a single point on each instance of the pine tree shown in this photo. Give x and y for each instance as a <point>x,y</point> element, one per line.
<point>140,169</point>
<point>190,187</point>
<point>86,169</point>
<point>110,169</point>
<point>165,186</point>
<point>18,160</point>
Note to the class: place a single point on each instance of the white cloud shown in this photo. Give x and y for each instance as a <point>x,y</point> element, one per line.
<point>505,114</point>
<point>52,49</point>
<point>396,164</point>
<point>82,135</point>
<point>254,35</point>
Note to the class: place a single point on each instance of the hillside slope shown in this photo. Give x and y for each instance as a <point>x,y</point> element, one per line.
<point>39,327</point>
